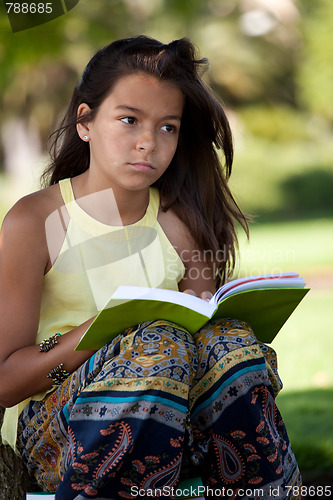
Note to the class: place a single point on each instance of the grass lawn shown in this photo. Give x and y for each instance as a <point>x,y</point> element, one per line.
<point>305,343</point>
<point>303,246</point>
<point>308,416</point>
<point>305,352</point>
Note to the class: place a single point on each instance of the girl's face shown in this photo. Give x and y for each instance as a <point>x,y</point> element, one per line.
<point>135,133</point>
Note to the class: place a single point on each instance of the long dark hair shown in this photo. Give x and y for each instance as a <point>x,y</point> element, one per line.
<point>195,183</point>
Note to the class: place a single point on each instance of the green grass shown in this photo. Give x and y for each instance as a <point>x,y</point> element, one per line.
<point>308,417</point>
<point>302,246</point>
<point>304,347</point>
<point>305,343</point>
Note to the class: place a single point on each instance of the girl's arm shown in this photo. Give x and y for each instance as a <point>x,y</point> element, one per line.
<point>199,278</point>
<point>23,259</point>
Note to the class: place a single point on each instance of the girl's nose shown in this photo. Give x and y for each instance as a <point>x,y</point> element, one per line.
<point>146,142</point>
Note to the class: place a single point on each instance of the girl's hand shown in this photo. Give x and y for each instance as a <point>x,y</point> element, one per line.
<point>206,295</point>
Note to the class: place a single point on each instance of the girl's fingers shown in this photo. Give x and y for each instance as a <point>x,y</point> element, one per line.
<point>206,295</point>
<point>190,292</point>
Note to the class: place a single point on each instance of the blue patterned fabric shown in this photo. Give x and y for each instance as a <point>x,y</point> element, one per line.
<point>156,406</point>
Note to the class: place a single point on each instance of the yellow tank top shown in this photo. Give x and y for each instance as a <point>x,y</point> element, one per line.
<point>94,259</point>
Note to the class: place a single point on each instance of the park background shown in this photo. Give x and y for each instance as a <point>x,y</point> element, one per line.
<point>271,61</point>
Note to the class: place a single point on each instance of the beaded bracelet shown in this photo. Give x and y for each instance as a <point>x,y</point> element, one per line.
<point>58,374</point>
<point>48,344</point>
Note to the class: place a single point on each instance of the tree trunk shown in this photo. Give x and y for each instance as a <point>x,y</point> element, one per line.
<point>15,481</point>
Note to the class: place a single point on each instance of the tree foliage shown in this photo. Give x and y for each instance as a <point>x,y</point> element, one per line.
<point>287,63</point>
<point>315,68</point>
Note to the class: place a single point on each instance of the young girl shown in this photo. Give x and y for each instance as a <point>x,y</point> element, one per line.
<point>136,195</point>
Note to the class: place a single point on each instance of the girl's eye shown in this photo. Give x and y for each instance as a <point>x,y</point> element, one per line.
<point>169,128</point>
<point>130,120</point>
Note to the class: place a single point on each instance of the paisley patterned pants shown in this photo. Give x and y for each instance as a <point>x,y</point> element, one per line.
<point>157,405</point>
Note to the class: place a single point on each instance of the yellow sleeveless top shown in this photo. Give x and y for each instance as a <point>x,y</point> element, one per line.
<point>94,259</point>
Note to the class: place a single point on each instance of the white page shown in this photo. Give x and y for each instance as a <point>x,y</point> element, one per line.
<point>40,496</point>
<point>244,284</point>
<point>184,299</point>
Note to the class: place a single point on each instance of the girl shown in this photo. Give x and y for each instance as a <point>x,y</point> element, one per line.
<point>136,195</point>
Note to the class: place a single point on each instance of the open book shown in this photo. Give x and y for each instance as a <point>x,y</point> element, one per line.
<point>265,302</point>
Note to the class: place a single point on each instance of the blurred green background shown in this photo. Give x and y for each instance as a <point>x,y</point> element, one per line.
<point>271,61</point>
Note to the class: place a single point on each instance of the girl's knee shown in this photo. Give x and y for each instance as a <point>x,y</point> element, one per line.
<point>164,335</point>
<point>219,338</point>
<point>159,348</point>
<point>272,367</point>
<point>224,335</point>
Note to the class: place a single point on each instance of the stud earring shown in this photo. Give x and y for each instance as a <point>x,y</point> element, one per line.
<point>85,137</point>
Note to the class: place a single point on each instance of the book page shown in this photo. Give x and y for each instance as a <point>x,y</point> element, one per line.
<point>285,280</point>
<point>40,496</point>
<point>171,296</point>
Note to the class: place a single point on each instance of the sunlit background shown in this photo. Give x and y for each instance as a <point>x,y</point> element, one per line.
<point>271,61</point>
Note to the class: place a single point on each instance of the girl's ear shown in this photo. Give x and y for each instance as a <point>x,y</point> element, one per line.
<point>83,127</point>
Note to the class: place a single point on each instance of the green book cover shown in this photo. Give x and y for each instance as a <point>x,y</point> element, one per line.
<point>265,310</point>
<point>190,489</point>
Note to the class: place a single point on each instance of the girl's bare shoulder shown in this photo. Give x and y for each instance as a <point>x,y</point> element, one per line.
<point>34,208</point>
<point>24,224</point>
<point>23,240</point>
